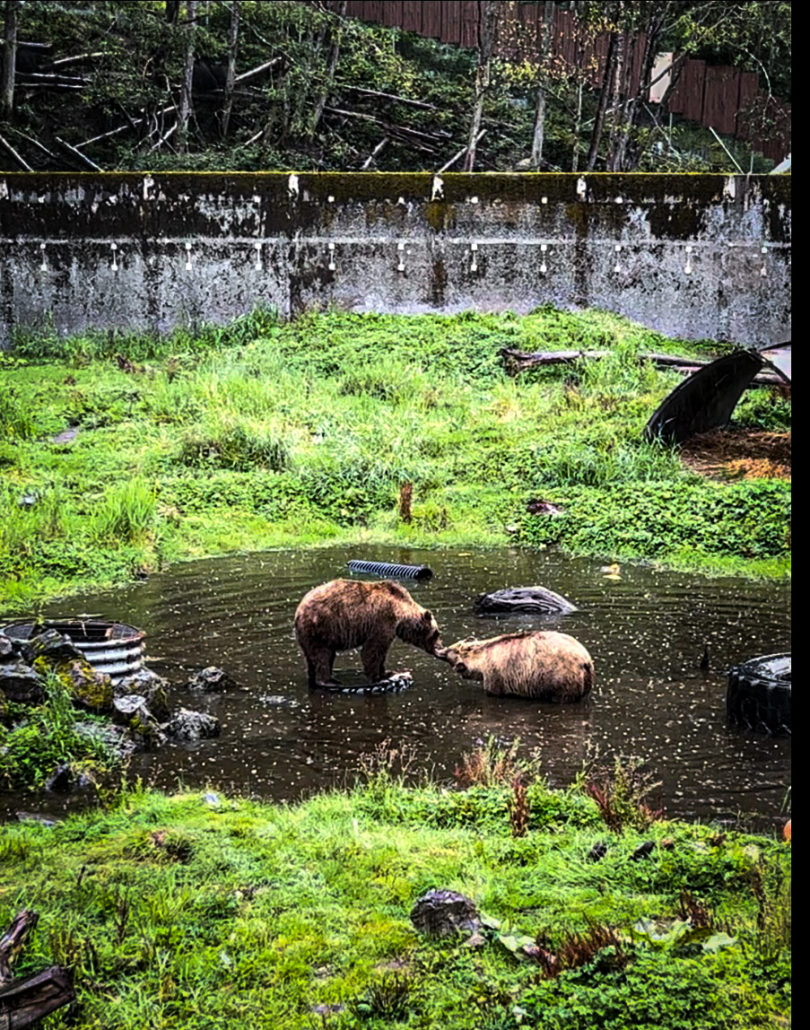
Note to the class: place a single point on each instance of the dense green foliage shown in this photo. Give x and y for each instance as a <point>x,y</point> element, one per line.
<point>306,431</point>
<point>203,911</point>
<point>336,94</point>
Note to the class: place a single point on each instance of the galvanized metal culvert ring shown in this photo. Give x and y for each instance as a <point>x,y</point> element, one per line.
<point>113,648</point>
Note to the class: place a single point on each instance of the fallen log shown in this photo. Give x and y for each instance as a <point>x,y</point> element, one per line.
<point>13,941</point>
<point>516,361</point>
<point>27,999</point>
<point>374,153</point>
<point>387,96</point>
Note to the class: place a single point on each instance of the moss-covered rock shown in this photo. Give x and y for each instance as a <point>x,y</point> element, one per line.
<point>87,688</point>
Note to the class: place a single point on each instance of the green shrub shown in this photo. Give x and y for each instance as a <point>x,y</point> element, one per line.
<point>749,519</point>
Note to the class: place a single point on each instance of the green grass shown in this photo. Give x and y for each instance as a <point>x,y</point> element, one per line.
<point>203,911</point>
<point>304,432</point>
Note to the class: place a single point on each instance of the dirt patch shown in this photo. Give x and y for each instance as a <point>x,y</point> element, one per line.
<point>734,453</point>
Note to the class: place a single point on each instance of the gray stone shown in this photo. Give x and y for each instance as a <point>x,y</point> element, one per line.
<point>19,682</point>
<point>211,679</point>
<point>444,913</point>
<point>537,600</point>
<point>188,725</point>
<point>55,647</point>
<point>151,687</point>
<point>7,648</point>
<point>68,779</point>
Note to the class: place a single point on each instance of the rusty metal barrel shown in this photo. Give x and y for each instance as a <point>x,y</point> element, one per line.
<point>110,647</point>
<point>381,568</point>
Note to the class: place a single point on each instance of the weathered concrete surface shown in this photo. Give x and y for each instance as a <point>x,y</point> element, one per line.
<point>691,255</point>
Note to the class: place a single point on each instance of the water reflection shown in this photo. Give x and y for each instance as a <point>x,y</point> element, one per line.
<point>647,632</point>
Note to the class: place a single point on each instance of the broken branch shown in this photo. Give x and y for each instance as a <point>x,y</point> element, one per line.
<point>78,153</point>
<point>20,160</point>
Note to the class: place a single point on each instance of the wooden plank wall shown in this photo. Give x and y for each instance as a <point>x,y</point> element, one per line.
<point>724,98</point>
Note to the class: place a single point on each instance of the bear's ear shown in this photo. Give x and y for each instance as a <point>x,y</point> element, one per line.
<point>427,615</point>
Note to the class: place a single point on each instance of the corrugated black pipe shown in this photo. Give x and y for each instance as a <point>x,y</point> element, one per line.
<point>382,568</point>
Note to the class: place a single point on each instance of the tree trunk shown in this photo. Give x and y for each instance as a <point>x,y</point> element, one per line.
<point>540,108</point>
<point>621,97</point>
<point>487,14</point>
<point>184,110</point>
<point>230,75</point>
<point>9,59</point>
<point>334,54</point>
<point>604,98</point>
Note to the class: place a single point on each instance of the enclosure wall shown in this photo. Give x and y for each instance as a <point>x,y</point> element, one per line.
<point>695,256</point>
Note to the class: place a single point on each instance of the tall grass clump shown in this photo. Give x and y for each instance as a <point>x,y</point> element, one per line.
<point>31,514</point>
<point>125,514</point>
<point>622,372</point>
<point>763,409</point>
<point>388,379</point>
<point>18,421</point>
<point>240,445</point>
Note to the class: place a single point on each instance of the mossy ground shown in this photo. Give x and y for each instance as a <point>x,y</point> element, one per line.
<point>203,911</point>
<point>263,434</point>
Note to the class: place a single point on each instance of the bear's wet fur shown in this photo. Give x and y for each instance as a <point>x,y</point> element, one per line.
<point>544,665</point>
<point>344,614</point>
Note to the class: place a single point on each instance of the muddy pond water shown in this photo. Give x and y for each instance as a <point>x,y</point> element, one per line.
<point>646,630</point>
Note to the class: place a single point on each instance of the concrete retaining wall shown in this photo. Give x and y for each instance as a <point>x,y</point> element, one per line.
<point>696,256</point>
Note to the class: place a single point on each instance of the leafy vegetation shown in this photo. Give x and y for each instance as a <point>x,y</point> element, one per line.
<point>204,911</point>
<point>334,93</point>
<point>38,739</point>
<point>306,431</point>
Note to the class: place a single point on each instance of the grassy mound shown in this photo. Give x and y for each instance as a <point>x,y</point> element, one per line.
<point>123,454</point>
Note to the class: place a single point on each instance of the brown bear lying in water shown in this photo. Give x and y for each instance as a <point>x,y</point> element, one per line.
<point>346,613</point>
<point>545,665</point>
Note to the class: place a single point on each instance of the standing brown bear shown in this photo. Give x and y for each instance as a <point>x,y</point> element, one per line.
<point>545,665</point>
<point>345,614</point>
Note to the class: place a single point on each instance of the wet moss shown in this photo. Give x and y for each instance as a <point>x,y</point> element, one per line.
<point>260,203</point>
<point>437,215</point>
<point>86,687</point>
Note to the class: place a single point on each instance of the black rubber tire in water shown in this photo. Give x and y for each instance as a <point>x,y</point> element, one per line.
<point>758,695</point>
